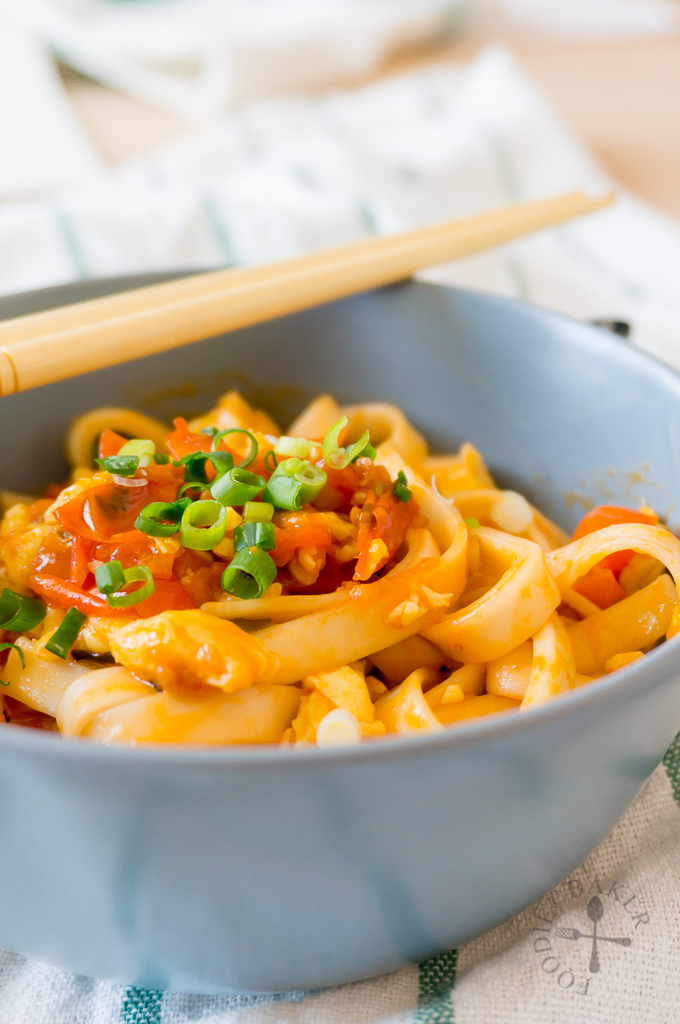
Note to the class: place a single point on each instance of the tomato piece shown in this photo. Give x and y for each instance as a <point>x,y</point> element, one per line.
<point>183,441</point>
<point>62,594</point>
<point>169,595</point>
<point>54,556</point>
<point>293,530</point>
<point>101,512</point>
<point>386,519</point>
<point>600,586</point>
<point>81,555</point>
<point>110,443</point>
<point>203,584</point>
<point>135,548</point>
<point>613,515</point>
<point>343,484</point>
<point>332,576</point>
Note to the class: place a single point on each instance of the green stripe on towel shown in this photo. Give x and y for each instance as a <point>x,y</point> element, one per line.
<point>436,980</point>
<point>671,763</point>
<point>141,1006</point>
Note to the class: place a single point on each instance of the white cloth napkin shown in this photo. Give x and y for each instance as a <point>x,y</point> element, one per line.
<point>196,57</point>
<point>43,146</point>
<point>283,176</point>
<point>578,20</point>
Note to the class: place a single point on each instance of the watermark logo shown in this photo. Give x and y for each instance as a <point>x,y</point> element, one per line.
<point>580,924</point>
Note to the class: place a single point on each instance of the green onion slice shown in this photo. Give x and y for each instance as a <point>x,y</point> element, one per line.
<point>249,573</point>
<point>293,484</point>
<point>203,525</point>
<point>255,535</point>
<point>20,614</point>
<point>333,454</point>
<point>257,512</point>
<point>270,460</point>
<point>339,458</point>
<point>110,577</point>
<point>61,642</point>
<point>4,647</point>
<point>161,459</point>
<point>121,465</point>
<point>137,574</point>
<point>210,431</point>
<point>143,449</point>
<point>472,523</point>
<point>237,487</point>
<point>188,487</point>
<point>401,489</point>
<point>161,519</point>
<point>296,446</point>
<point>254,447</point>
<point>195,462</point>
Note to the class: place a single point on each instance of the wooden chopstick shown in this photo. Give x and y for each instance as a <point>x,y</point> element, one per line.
<point>45,347</point>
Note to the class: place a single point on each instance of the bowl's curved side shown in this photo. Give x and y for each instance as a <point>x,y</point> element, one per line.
<point>207,877</point>
<point>213,873</point>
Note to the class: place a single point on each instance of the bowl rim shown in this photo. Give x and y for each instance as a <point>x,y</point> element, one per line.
<point>658,666</point>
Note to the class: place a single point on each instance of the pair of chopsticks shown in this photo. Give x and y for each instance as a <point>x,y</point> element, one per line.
<point>45,347</point>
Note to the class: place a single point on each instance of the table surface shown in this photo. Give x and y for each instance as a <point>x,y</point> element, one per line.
<point>622,99</point>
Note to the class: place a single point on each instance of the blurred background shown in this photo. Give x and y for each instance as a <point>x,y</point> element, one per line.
<point>153,134</point>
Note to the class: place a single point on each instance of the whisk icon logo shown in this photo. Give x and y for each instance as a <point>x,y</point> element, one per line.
<point>581,925</point>
<point>595,911</point>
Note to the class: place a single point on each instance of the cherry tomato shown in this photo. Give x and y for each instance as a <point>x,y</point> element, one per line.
<point>62,594</point>
<point>613,515</point>
<point>600,586</point>
<point>110,443</point>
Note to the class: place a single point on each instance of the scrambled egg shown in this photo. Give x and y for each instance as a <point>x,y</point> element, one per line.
<point>178,650</point>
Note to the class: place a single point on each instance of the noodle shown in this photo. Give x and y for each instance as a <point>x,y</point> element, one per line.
<point>223,583</point>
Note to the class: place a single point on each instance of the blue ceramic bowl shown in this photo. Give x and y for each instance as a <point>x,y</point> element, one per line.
<point>254,869</point>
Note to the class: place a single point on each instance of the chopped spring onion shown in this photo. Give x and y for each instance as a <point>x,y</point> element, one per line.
<point>160,519</point>
<point>472,523</point>
<point>270,461</point>
<point>249,573</point>
<point>337,457</point>
<point>195,462</point>
<point>109,577</point>
<point>137,574</point>
<point>237,487</point>
<point>120,465</point>
<point>188,487</point>
<point>255,535</point>
<point>296,446</point>
<point>6,646</point>
<point>333,454</point>
<point>257,512</point>
<point>401,489</point>
<point>254,447</point>
<point>20,614</point>
<point>161,459</point>
<point>203,525</point>
<point>210,431</point>
<point>293,484</point>
<point>61,642</point>
<point>144,450</point>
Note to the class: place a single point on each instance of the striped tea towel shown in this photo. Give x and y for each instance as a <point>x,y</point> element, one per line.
<point>285,176</point>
